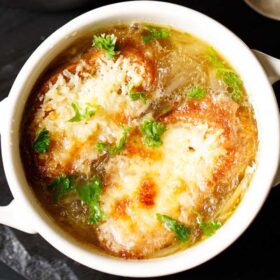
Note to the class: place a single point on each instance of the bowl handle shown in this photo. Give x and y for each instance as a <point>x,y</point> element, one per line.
<point>12,214</point>
<point>271,65</point>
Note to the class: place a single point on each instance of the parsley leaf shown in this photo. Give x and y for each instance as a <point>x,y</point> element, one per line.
<point>233,81</point>
<point>155,33</point>
<point>42,142</point>
<point>90,194</point>
<point>97,214</point>
<point>152,131</point>
<point>196,92</point>
<point>114,149</point>
<point>182,232</point>
<point>208,228</point>
<point>136,95</point>
<point>106,43</point>
<point>230,77</point>
<point>62,185</point>
<point>79,116</point>
<point>89,111</point>
<point>214,58</point>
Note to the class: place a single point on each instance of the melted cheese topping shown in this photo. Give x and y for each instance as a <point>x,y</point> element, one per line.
<point>106,91</point>
<point>189,158</point>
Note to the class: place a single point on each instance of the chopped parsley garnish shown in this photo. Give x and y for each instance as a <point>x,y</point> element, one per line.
<point>208,228</point>
<point>214,59</point>
<point>196,93</point>
<point>136,95</point>
<point>78,115</point>
<point>155,33</point>
<point>89,193</point>
<point>106,43</point>
<point>62,185</point>
<point>230,77</point>
<point>114,149</point>
<point>42,142</point>
<point>182,232</point>
<point>152,132</point>
<point>89,111</point>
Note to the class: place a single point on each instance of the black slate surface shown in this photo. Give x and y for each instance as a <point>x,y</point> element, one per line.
<point>256,253</point>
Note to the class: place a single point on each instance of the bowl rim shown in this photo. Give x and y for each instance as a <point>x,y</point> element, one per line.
<point>174,263</point>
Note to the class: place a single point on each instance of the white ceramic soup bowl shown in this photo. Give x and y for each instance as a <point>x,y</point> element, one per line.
<point>25,213</point>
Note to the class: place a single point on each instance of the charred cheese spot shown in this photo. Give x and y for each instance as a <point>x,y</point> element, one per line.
<point>147,193</point>
<point>120,208</point>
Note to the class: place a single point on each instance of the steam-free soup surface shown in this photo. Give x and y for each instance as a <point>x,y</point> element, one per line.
<point>140,141</point>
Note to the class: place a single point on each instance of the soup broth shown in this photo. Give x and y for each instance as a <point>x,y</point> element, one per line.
<point>140,140</point>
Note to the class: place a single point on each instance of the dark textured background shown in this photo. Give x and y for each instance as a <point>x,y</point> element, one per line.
<point>254,256</point>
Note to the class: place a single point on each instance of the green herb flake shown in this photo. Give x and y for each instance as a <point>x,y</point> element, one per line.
<point>136,95</point>
<point>42,142</point>
<point>97,214</point>
<point>155,33</point>
<point>208,228</point>
<point>152,132</point>
<point>89,111</point>
<point>215,224</point>
<point>230,77</point>
<point>90,193</point>
<point>79,115</point>
<point>196,93</point>
<point>182,232</point>
<point>214,58</point>
<point>233,81</point>
<point>114,149</point>
<point>106,43</point>
<point>61,185</point>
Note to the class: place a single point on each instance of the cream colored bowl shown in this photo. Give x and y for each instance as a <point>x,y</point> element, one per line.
<point>26,214</point>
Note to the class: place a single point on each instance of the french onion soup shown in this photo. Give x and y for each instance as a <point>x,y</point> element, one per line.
<point>139,140</point>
